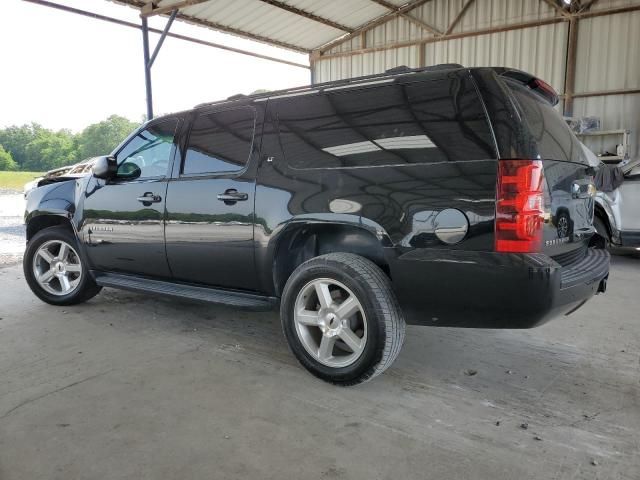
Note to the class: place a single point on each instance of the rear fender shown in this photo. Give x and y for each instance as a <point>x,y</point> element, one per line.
<point>306,236</point>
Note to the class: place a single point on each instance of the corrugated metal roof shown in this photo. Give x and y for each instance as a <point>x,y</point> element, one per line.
<point>300,25</point>
<point>607,57</point>
<point>538,50</point>
<point>256,17</point>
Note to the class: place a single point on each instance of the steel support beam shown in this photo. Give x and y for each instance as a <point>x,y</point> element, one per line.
<point>373,23</point>
<point>185,38</point>
<point>148,60</point>
<point>149,9</point>
<point>561,11</point>
<point>604,93</point>
<point>416,21</point>
<point>471,33</point>
<point>163,35</point>
<point>147,68</point>
<point>302,13</point>
<point>570,74</point>
<point>458,17</point>
<point>442,38</point>
<point>142,4</point>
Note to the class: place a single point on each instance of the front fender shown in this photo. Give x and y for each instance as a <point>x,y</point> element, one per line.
<point>61,199</point>
<point>52,199</point>
<point>609,205</point>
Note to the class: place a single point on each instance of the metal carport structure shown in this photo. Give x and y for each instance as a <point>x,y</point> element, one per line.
<point>359,37</point>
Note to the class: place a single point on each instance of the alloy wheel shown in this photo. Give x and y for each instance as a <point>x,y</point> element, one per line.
<point>563,226</point>
<point>330,322</point>
<point>57,267</point>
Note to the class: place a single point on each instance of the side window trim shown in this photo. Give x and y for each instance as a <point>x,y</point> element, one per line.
<point>180,162</point>
<point>172,156</point>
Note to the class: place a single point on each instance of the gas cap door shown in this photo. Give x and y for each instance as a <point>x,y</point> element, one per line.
<point>451,226</point>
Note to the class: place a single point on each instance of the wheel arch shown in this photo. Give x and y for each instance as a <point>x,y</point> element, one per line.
<point>301,241</point>
<point>600,212</point>
<point>42,221</point>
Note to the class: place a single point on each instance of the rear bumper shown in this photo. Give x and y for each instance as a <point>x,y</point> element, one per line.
<point>629,238</point>
<point>492,290</point>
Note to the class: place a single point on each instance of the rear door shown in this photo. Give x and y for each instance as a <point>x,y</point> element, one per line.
<point>210,201</point>
<point>569,196</point>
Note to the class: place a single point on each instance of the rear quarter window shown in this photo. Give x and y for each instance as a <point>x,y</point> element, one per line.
<point>397,124</point>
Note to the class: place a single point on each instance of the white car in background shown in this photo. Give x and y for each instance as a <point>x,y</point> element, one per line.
<point>617,213</point>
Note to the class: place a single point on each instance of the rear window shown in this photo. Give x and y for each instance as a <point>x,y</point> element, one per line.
<point>220,142</point>
<point>397,124</point>
<point>553,138</point>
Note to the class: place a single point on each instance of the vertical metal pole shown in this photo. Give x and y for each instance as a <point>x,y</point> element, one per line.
<point>313,59</point>
<point>147,68</point>
<point>570,76</point>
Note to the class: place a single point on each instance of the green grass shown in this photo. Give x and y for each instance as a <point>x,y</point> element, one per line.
<point>16,180</point>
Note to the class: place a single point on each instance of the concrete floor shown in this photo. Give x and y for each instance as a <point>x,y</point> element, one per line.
<point>136,387</point>
<point>130,386</point>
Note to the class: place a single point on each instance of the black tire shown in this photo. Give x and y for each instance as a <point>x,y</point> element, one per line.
<point>564,225</point>
<point>601,229</point>
<point>86,287</point>
<point>372,288</point>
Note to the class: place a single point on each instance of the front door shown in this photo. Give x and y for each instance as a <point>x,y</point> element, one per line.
<point>123,225</point>
<point>209,226</point>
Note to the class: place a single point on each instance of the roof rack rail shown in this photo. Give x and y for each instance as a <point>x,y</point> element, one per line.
<point>402,69</point>
<point>440,66</point>
<point>399,69</point>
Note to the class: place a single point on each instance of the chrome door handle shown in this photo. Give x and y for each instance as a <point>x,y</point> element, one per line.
<point>148,198</point>
<point>232,196</point>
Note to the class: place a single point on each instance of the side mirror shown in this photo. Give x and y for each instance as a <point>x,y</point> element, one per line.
<point>129,170</point>
<point>105,168</point>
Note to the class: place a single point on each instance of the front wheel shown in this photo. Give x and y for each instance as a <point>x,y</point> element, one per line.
<point>341,318</point>
<point>54,271</point>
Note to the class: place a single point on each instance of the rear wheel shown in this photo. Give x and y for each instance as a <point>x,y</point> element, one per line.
<point>55,271</point>
<point>341,318</point>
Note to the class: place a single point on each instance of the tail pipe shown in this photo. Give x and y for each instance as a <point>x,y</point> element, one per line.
<point>603,285</point>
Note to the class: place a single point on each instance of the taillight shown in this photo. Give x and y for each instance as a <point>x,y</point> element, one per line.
<point>519,206</point>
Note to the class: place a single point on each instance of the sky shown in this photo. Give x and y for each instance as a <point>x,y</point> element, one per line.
<point>64,70</point>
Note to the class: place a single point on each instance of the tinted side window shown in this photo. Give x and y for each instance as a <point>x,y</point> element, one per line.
<point>554,139</point>
<point>220,141</point>
<point>422,122</point>
<point>149,152</point>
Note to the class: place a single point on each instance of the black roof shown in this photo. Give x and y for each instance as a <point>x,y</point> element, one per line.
<point>347,82</point>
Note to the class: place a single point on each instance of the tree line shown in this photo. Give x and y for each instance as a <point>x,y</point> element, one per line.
<point>32,147</point>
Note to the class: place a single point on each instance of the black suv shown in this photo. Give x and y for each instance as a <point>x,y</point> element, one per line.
<point>441,196</point>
